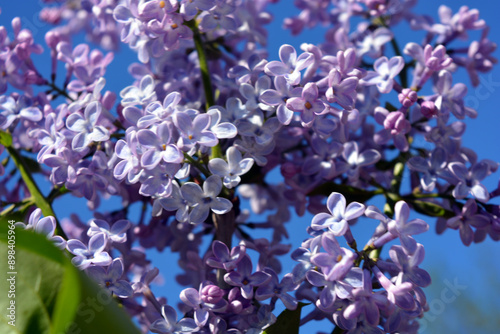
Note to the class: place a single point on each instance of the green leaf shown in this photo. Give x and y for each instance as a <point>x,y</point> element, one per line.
<point>5,139</point>
<point>288,322</point>
<point>350,193</point>
<point>51,295</point>
<point>431,209</point>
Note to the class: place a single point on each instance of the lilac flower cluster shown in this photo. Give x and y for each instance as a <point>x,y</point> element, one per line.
<point>209,122</point>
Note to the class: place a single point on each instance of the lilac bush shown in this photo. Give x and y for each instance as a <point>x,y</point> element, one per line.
<point>209,124</point>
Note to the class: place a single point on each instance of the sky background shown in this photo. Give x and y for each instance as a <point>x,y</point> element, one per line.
<point>476,268</point>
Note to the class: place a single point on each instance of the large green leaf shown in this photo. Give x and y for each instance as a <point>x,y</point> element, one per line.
<point>51,295</point>
<point>287,322</point>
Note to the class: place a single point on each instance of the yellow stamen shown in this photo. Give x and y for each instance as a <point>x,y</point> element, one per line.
<point>308,105</point>
<point>162,4</point>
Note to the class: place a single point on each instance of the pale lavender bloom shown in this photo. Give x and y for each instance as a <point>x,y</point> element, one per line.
<point>467,218</point>
<point>244,278</point>
<point>431,168</point>
<point>202,201</point>
<point>87,127</point>
<point>323,162</point>
<point>332,289</point>
<point>72,57</point>
<point>219,16</point>
<point>395,126</point>
<point>255,125</point>
<point>169,325</point>
<point>222,259</point>
<point>141,95</point>
<point>279,97</point>
<point>385,72</point>
<point>128,167</point>
<point>45,226</point>
<point>402,228</point>
<point>20,109</point>
<point>407,264</point>
<point>222,130</point>
<point>373,42</point>
<point>450,98</point>
<point>189,8</point>
<point>355,159</point>
<point>434,59</point>
<point>51,138</point>
<point>469,180</point>
<point>308,105</point>
<point>175,202</point>
<point>94,254</point>
<point>249,71</point>
<point>116,233</point>
<point>336,262</point>
<point>157,113</point>
<point>456,26</point>
<point>63,165</point>
<point>110,278</point>
<point>275,288</point>
<point>159,180</point>
<point>341,91</point>
<point>194,131</point>
<point>128,15</point>
<point>366,302</point>
<point>231,170</point>
<point>398,293</point>
<point>339,215</point>
<point>251,93</point>
<point>207,299</point>
<point>290,66</point>
<point>158,147</point>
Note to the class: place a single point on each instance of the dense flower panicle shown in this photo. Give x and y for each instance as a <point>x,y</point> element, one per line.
<point>211,122</point>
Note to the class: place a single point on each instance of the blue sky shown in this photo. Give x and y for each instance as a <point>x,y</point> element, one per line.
<point>476,267</point>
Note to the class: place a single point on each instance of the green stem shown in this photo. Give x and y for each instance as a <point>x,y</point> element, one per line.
<point>197,164</point>
<point>59,91</point>
<point>39,200</point>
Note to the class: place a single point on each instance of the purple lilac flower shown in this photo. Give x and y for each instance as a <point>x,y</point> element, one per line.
<point>158,147</point>
<point>87,127</point>
<point>279,98</point>
<point>175,202</point>
<point>323,161</point>
<point>398,293</point>
<point>207,299</point>
<point>373,41</point>
<point>385,72</point>
<point>94,254</point>
<point>336,262</point>
<point>116,233</point>
<point>222,259</point>
<point>157,112</point>
<point>431,168</point>
<point>467,218</point>
<point>395,126</point>
<point>341,91</point>
<point>50,138</point>
<point>128,167</point>
<point>202,201</point>
<point>45,226</point>
<point>231,170</point>
<point>366,303</point>
<point>219,16</point>
<point>407,264</point>
<point>336,220</point>
<point>222,130</point>
<point>256,126</point>
<point>469,180</point>
<point>275,288</point>
<point>355,159</point>
<point>20,109</point>
<point>244,278</point>
<point>169,325</point>
<point>402,228</point>
<point>450,98</point>
<point>194,131</point>
<point>110,278</point>
<point>141,95</point>
<point>290,66</point>
<point>308,105</point>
